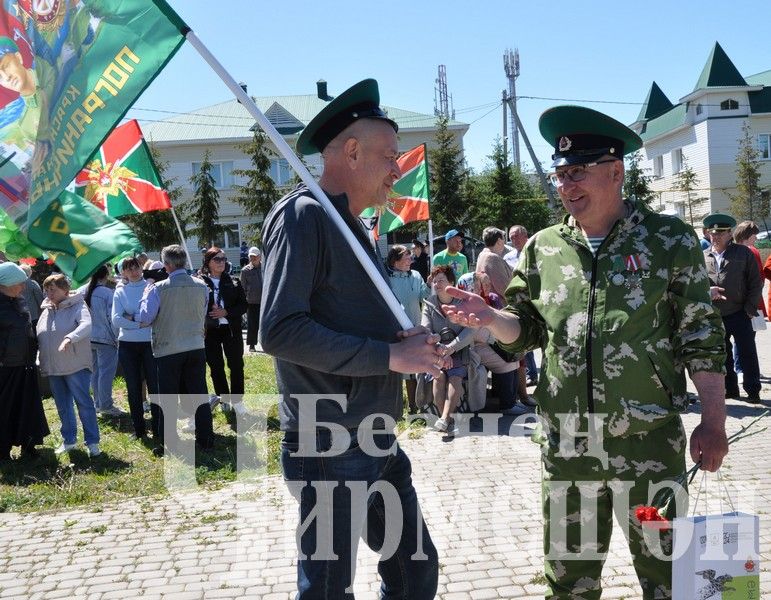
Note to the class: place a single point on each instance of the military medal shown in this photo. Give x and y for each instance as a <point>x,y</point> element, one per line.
<point>617,279</point>
<point>633,281</point>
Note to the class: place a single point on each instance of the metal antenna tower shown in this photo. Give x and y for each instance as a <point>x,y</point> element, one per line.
<point>511,67</point>
<point>442,105</point>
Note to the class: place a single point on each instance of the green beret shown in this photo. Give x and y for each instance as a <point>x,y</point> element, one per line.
<point>360,101</point>
<point>719,222</point>
<point>581,135</point>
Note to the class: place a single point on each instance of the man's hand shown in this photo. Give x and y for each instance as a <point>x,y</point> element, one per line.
<point>708,441</point>
<point>417,352</point>
<point>65,342</point>
<point>472,311</point>
<point>716,293</point>
<point>709,445</point>
<point>217,312</point>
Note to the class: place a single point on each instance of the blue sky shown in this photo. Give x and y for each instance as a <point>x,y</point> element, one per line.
<point>594,51</point>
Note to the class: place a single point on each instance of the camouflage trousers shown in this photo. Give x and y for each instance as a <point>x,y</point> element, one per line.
<point>580,497</point>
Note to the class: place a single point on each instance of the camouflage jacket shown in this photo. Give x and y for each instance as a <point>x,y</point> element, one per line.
<point>645,299</point>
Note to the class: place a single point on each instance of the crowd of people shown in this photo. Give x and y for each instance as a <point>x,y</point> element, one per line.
<point>620,300</point>
<point>163,326</point>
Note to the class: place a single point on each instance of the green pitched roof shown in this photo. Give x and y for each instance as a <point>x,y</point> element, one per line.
<point>671,119</point>
<point>289,114</point>
<point>655,104</point>
<point>719,71</point>
<point>763,78</point>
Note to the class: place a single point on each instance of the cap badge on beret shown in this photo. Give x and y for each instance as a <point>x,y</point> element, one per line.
<point>565,144</point>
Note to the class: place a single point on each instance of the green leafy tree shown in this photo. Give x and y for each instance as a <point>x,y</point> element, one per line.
<point>503,196</point>
<point>748,203</point>
<point>636,181</point>
<point>259,193</point>
<point>449,206</point>
<point>203,209</point>
<point>157,229</point>
<point>687,182</point>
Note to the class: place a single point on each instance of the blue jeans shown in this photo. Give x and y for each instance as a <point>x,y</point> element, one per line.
<point>105,358</point>
<point>138,364</point>
<point>65,389</point>
<point>408,567</point>
<point>739,327</point>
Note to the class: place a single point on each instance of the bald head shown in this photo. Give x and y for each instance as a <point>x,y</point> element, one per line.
<point>361,162</point>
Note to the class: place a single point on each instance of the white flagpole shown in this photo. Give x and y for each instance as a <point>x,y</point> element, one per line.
<point>182,237</point>
<point>307,178</point>
<point>430,243</point>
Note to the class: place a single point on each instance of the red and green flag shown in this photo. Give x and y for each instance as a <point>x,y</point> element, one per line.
<point>121,178</point>
<point>409,196</point>
<point>80,65</point>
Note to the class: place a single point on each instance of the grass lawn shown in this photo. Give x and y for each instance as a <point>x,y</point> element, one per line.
<point>126,467</point>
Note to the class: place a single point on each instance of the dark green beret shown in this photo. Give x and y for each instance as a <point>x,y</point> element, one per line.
<point>581,135</point>
<point>719,222</point>
<point>360,101</point>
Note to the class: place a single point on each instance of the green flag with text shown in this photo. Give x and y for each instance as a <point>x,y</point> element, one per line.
<point>78,67</point>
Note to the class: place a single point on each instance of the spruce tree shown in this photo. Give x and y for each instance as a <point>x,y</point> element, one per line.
<point>449,206</point>
<point>636,181</point>
<point>259,193</point>
<point>687,181</point>
<point>203,208</point>
<point>157,229</point>
<point>747,203</point>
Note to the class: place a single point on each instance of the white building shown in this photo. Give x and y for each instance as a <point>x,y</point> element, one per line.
<point>221,128</point>
<point>704,129</point>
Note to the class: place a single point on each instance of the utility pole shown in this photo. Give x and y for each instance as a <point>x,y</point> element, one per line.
<point>505,135</point>
<point>511,67</point>
<point>541,175</point>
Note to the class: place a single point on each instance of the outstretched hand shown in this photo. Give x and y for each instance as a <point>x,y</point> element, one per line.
<point>471,311</point>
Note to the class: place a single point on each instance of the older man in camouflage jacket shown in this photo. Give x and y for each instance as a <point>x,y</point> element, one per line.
<point>617,297</point>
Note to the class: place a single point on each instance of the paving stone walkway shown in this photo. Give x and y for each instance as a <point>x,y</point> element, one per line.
<point>238,542</point>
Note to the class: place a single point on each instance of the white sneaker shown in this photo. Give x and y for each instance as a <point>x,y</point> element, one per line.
<point>64,448</point>
<point>189,427</point>
<point>93,450</point>
<point>441,425</point>
<point>239,408</point>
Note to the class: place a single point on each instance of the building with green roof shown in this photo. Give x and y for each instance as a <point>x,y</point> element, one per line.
<point>222,128</point>
<point>703,131</point>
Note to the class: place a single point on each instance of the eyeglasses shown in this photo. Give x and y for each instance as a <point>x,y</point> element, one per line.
<point>575,173</point>
<point>219,258</point>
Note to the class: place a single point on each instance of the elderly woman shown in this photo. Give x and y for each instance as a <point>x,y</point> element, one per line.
<point>64,335</point>
<point>448,387</point>
<point>410,290</point>
<point>227,304</point>
<point>22,420</point>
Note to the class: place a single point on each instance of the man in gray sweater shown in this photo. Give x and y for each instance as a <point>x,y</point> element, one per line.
<point>338,354</point>
<point>176,308</point>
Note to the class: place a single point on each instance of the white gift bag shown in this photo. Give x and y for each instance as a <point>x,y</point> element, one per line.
<point>758,322</point>
<point>716,557</point>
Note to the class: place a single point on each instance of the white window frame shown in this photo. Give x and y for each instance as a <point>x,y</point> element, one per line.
<point>280,171</point>
<point>726,104</point>
<point>699,109</point>
<point>677,160</point>
<point>658,165</point>
<point>222,172</point>
<point>764,147</point>
<point>227,234</point>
